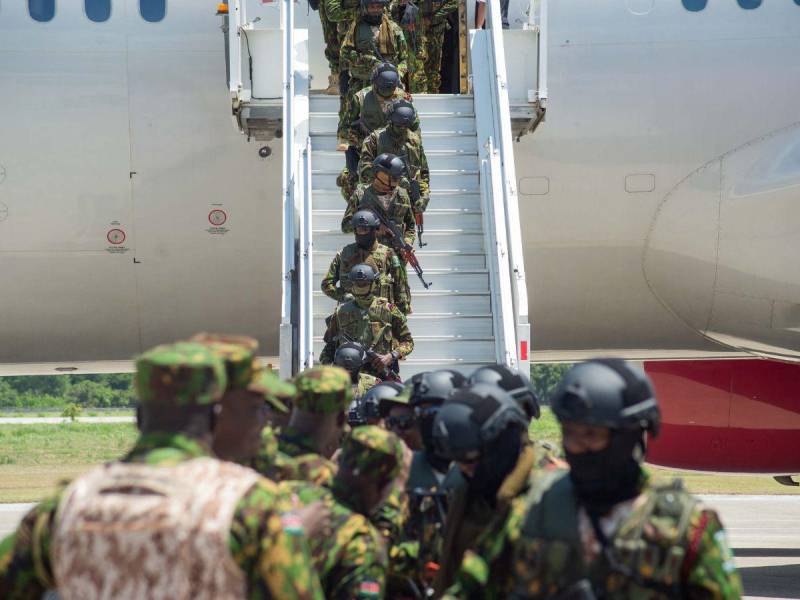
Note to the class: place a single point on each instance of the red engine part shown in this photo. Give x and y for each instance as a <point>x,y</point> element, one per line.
<point>727,415</point>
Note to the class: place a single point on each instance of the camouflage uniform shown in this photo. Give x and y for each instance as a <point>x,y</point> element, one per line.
<point>434,17</point>
<point>332,41</point>
<point>380,327</point>
<point>275,390</point>
<point>365,383</point>
<point>55,548</point>
<point>673,545</point>
<point>393,285</point>
<point>395,207</point>
<point>322,390</point>
<point>359,54</point>
<point>352,563</point>
<point>417,54</point>
<point>368,108</point>
<point>473,524</point>
<point>409,149</point>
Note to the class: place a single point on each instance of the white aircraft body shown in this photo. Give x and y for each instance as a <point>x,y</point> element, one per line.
<point>660,198</point>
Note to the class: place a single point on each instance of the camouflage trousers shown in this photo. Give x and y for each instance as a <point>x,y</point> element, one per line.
<point>434,41</point>
<point>353,87</point>
<point>347,183</point>
<point>331,37</point>
<point>415,80</point>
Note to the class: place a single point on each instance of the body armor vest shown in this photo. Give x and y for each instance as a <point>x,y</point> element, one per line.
<point>371,327</point>
<point>643,561</point>
<point>399,205</point>
<point>131,531</point>
<point>368,37</point>
<point>375,109</point>
<point>379,259</point>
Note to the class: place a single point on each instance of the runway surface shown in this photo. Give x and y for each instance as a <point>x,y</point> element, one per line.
<point>764,533</point>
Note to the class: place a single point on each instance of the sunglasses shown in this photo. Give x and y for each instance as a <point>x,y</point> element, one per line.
<point>400,423</point>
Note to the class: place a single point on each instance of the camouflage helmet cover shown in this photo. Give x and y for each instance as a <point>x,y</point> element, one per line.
<point>183,373</point>
<point>238,354</point>
<point>372,451</point>
<point>324,390</point>
<point>273,388</point>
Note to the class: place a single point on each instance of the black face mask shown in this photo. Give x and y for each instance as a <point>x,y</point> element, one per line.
<point>497,460</point>
<point>609,476</point>
<point>373,19</point>
<point>366,240</point>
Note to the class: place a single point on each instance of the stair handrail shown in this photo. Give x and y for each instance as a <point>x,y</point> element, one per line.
<point>504,143</point>
<point>296,329</point>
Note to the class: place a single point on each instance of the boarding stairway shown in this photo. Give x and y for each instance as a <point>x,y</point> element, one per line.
<point>476,310</point>
<point>452,321</point>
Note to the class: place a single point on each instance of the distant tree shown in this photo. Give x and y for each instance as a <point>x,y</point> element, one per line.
<point>545,378</point>
<point>91,393</point>
<point>47,385</point>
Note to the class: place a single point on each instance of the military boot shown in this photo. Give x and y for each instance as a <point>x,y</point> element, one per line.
<point>333,85</point>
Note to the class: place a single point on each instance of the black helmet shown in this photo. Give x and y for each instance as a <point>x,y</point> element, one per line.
<point>362,273</point>
<point>350,356</point>
<point>386,79</point>
<point>472,418</point>
<point>608,393</point>
<point>402,114</point>
<point>389,163</point>
<point>365,218</point>
<point>434,386</point>
<point>512,381</point>
<point>373,400</point>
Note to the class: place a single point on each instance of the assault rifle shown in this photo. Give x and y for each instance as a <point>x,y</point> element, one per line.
<point>416,194</point>
<point>430,510</point>
<point>404,249</point>
<point>409,22</point>
<point>388,374</point>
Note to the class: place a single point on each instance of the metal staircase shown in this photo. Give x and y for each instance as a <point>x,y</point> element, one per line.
<point>452,321</point>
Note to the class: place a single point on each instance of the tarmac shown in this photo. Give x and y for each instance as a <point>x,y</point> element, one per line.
<point>764,533</point>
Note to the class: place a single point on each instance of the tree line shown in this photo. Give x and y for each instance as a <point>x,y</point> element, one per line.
<point>114,390</point>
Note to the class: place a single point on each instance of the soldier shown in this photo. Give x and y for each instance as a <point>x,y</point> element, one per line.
<point>434,21</point>
<point>372,321</point>
<point>372,39</point>
<point>397,138</point>
<point>353,562</point>
<point>350,356</point>
<point>392,281</point>
<point>408,16</point>
<point>167,521</point>
<point>603,529</point>
<point>484,430</point>
<point>330,35</point>
<point>277,396</point>
<point>315,427</point>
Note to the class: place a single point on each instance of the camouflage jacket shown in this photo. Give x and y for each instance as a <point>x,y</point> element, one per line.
<point>358,50</point>
<point>343,13</point>
<point>410,150</point>
<point>437,11</point>
<point>382,258</point>
<point>365,383</point>
<point>398,209</point>
<point>352,562</point>
<point>414,36</point>
<point>686,554</point>
<point>381,327</point>
<point>299,460</point>
<point>369,111</point>
<point>258,541</point>
<point>473,524</point>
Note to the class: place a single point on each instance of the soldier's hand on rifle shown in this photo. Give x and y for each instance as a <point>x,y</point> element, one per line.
<point>383,361</point>
<point>383,230</point>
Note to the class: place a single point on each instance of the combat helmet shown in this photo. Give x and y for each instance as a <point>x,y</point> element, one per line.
<point>403,114</point>
<point>365,218</point>
<point>390,164</point>
<point>362,279</point>
<point>385,79</point>
<point>350,356</point>
<point>512,381</point>
<point>607,393</point>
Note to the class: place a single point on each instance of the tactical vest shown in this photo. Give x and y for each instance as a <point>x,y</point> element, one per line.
<point>648,549</point>
<point>379,259</point>
<point>399,205</point>
<point>367,39</point>
<point>135,531</point>
<point>408,149</point>
<point>374,110</point>
<point>372,327</point>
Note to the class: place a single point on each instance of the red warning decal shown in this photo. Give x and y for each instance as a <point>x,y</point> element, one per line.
<point>217,217</point>
<point>115,237</point>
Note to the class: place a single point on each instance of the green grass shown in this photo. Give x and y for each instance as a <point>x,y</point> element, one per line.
<point>87,412</point>
<point>35,458</point>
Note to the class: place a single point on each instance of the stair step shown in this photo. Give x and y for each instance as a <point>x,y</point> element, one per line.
<point>434,219</point>
<point>443,348</point>
<point>433,142</point>
<point>451,327</point>
<point>463,241</point>
<point>430,302</point>
<point>440,123</point>
<point>335,161</point>
<point>331,199</point>
<point>452,181</point>
<point>424,103</point>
